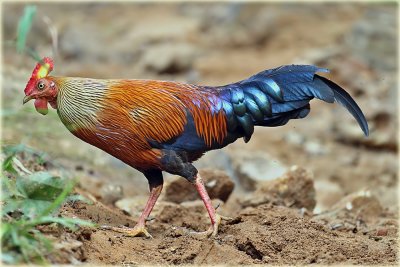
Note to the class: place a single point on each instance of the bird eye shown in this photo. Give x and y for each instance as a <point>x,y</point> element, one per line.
<point>40,85</point>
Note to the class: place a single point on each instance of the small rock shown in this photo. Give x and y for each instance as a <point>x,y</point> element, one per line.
<point>198,206</point>
<point>135,205</point>
<point>91,184</point>
<point>311,147</point>
<point>328,194</point>
<point>294,189</point>
<point>132,205</point>
<point>217,183</point>
<point>110,193</point>
<point>294,138</point>
<point>216,159</point>
<point>253,167</point>
<point>361,203</point>
<point>353,212</point>
<point>68,245</point>
<point>229,239</point>
<point>315,149</point>
<point>382,232</point>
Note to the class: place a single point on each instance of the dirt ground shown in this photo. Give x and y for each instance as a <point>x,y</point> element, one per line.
<point>255,234</point>
<point>339,206</point>
<point>265,234</point>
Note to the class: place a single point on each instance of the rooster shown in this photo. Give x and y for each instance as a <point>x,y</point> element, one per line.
<point>156,126</point>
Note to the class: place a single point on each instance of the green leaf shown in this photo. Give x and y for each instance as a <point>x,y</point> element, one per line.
<point>31,199</point>
<point>24,26</point>
<point>34,195</point>
<point>9,206</point>
<point>20,166</point>
<point>8,188</point>
<point>14,236</point>
<point>32,208</point>
<point>8,166</point>
<point>14,149</point>
<point>41,186</point>
<point>60,199</point>
<point>5,229</point>
<point>70,223</point>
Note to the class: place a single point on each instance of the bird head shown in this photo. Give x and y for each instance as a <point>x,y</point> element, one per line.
<point>41,87</point>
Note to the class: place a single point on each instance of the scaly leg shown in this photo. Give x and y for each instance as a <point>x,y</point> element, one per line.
<point>214,217</point>
<point>139,228</point>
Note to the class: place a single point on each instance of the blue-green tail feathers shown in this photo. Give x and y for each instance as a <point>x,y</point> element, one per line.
<point>273,97</point>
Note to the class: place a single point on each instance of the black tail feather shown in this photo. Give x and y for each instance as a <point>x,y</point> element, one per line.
<point>342,97</point>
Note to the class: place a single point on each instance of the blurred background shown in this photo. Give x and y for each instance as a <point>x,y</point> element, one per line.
<point>216,44</point>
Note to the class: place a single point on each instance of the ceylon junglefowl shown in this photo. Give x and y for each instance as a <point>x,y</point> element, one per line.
<point>156,126</point>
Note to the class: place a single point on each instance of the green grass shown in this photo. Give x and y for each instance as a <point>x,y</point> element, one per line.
<point>30,199</point>
<point>24,27</point>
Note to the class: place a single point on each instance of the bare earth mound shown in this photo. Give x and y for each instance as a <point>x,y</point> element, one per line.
<point>265,234</point>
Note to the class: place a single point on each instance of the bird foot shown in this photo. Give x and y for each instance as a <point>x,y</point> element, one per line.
<point>213,230</point>
<point>135,231</point>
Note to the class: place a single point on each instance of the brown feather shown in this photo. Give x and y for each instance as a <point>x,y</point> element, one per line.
<point>132,112</point>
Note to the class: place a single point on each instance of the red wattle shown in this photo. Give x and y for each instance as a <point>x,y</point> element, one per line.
<point>41,106</point>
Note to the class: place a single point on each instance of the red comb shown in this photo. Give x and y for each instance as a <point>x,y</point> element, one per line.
<point>42,69</point>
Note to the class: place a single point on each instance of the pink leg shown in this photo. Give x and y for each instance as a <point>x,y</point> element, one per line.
<point>154,194</point>
<point>139,228</point>
<point>214,217</point>
<point>206,199</point>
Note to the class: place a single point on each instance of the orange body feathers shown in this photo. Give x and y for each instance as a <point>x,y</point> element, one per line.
<point>131,114</point>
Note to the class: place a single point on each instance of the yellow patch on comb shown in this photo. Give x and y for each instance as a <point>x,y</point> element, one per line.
<point>43,71</point>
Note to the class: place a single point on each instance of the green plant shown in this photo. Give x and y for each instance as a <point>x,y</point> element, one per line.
<point>30,199</point>
<point>24,26</point>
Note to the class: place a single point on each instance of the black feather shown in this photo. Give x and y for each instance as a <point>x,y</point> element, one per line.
<point>342,97</point>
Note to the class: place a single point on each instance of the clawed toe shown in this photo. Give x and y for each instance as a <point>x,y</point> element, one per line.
<point>136,231</point>
<point>213,230</point>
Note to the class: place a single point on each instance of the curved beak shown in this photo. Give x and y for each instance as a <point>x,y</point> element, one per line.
<point>27,98</point>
